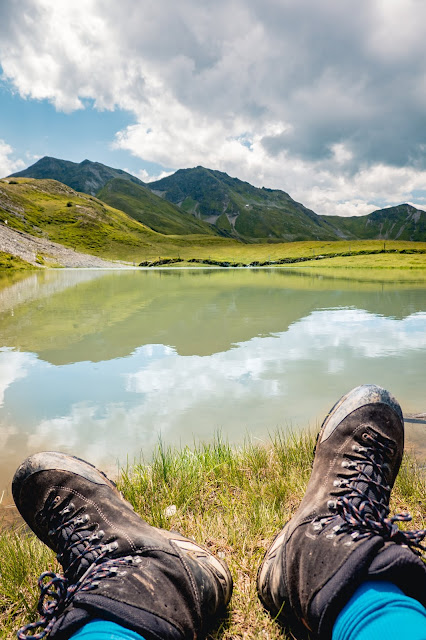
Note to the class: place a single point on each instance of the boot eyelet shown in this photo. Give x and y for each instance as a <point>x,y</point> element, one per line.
<point>340,483</point>
<point>82,519</point>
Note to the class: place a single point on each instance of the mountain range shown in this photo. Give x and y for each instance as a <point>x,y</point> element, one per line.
<point>208,202</point>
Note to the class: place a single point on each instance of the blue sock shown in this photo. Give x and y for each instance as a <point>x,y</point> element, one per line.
<point>380,610</point>
<point>104,630</point>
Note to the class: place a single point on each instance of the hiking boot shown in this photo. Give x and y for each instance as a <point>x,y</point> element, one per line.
<point>342,534</point>
<point>116,566</point>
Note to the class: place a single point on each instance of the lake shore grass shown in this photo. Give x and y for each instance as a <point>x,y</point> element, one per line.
<point>233,500</point>
<point>199,251</point>
<point>10,262</point>
<point>360,253</point>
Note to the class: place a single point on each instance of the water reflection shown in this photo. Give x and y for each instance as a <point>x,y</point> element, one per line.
<point>99,363</point>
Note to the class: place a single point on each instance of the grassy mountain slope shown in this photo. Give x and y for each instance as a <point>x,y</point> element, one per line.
<point>143,205</point>
<point>9,261</point>
<point>403,222</point>
<point>120,190</point>
<point>49,209</point>
<point>240,208</point>
<point>88,177</point>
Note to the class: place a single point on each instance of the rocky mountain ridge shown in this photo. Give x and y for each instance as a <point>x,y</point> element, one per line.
<point>86,176</point>
<point>402,222</point>
<point>245,211</point>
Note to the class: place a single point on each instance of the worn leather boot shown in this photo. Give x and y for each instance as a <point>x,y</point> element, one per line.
<point>116,566</point>
<point>342,534</point>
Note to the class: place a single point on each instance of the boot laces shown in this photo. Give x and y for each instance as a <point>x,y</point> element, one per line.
<point>79,547</point>
<point>364,508</point>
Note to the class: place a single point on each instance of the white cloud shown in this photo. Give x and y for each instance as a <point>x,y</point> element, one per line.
<point>13,366</point>
<point>323,100</point>
<point>8,164</point>
<point>261,369</point>
<point>159,176</point>
<point>146,177</point>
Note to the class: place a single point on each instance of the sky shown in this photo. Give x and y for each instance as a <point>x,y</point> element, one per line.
<point>325,100</point>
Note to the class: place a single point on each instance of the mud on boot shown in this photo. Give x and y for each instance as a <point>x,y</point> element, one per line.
<point>116,566</point>
<point>342,534</point>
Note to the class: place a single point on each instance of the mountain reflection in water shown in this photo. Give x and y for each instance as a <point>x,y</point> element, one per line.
<point>99,363</point>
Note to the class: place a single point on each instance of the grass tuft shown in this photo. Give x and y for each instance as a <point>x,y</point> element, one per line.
<point>22,559</point>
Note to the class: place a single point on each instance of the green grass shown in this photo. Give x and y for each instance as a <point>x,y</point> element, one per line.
<point>308,249</point>
<point>368,254</point>
<point>22,559</point>
<point>158,214</point>
<point>313,253</point>
<point>8,261</point>
<point>232,500</point>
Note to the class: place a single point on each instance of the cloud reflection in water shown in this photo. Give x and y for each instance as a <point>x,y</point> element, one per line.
<point>285,379</point>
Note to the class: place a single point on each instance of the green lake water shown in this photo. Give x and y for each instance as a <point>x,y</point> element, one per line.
<point>101,363</point>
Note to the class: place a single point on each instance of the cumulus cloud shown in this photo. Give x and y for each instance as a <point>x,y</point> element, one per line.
<point>147,177</point>
<point>325,100</point>
<point>13,366</point>
<point>8,164</point>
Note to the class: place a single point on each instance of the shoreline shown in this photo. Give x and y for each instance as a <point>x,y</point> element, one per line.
<point>21,251</point>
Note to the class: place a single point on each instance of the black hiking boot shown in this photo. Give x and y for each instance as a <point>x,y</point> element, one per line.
<point>116,566</point>
<point>342,534</point>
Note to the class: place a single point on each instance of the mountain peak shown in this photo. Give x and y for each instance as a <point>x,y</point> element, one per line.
<point>86,176</point>
<point>240,209</point>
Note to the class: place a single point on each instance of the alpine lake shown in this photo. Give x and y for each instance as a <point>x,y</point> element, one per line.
<point>105,364</point>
